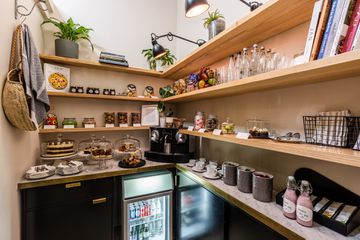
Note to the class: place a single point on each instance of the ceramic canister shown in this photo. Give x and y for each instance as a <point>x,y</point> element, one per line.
<point>262,186</point>
<point>244,179</point>
<point>229,173</point>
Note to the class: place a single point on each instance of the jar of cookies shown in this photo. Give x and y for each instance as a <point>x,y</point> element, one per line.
<point>123,119</point>
<point>109,119</point>
<point>89,122</point>
<point>136,119</point>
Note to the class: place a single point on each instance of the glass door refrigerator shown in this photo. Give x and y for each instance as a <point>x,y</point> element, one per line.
<point>147,206</point>
<point>199,213</point>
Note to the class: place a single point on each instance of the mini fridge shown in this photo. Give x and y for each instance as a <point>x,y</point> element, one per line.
<point>147,206</point>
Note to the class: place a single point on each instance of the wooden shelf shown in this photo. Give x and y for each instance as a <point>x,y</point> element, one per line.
<point>97,129</point>
<point>99,66</point>
<point>101,96</point>
<point>327,69</point>
<point>273,18</point>
<point>343,156</point>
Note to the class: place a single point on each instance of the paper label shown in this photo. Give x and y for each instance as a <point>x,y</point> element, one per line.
<point>49,127</point>
<point>288,206</point>
<point>191,128</point>
<point>202,130</point>
<point>108,125</point>
<point>303,213</point>
<point>241,135</point>
<point>136,125</point>
<point>69,126</point>
<point>217,132</point>
<point>123,125</point>
<point>89,125</point>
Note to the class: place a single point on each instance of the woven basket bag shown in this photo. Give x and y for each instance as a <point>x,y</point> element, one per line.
<point>14,100</point>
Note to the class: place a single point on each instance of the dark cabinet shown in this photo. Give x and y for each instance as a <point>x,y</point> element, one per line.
<point>199,214</point>
<point>73,211</point>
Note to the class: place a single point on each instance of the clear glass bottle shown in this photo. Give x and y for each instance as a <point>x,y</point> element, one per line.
<point>262,61</point>
<point>268,60</point>
<point>254,60</point>
<point>304,206</point>
<point>230,69</point>
<point>245,64</point>
<point>290,198</point>
<point>237,70</point>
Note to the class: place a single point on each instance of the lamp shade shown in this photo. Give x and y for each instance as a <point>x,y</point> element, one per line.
<point>158,50</point>
<point>195,7</point>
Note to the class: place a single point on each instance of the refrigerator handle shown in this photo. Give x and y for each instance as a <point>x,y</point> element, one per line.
<point>176,180</point>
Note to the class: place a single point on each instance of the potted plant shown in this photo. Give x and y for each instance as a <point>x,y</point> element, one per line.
<point>69,33</point>
<point>214,23</point>
<point>166,60</point>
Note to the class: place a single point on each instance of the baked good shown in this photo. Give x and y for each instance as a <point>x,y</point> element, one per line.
<point>99,153</point>
<point>259,133</point>
<point>60,149</point>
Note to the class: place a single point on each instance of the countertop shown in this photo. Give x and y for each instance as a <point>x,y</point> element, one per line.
<point>268,213</point>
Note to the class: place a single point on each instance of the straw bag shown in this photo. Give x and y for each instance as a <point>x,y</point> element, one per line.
<point>14,100</point>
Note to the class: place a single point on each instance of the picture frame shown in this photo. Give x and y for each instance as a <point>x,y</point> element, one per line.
<point>57,78</point>
<point>149,115</point>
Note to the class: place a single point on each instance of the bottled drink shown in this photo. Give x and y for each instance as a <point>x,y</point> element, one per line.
<point>262,61</point>
<point>131,212</point>
<point>137,211</point>
<point>153,207</point>
<point>254,60</point>
<point>141,209</point>
<point>304,206</point>
<point>146,232</point>
<point>245,63</point>
<point>131,234</point>
<point>237,72</point>
<point>141,232</point>
<point>290,197</point>
<point>158,208</point>
<point>230,69</point>
<point>268,60</point>
<point>136,236</point>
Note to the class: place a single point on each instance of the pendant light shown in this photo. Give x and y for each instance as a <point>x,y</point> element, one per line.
<point>195,7</point>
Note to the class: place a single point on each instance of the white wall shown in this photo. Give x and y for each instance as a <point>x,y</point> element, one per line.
<point>120,26</point>
<point>18,149</point>
<point>193,28</point>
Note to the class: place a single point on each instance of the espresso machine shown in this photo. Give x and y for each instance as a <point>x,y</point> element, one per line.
<point>168,145</point>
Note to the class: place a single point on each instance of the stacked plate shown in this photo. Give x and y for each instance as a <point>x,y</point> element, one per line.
<point>69,168</point>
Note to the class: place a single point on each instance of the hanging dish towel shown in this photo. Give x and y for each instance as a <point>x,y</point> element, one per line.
<point>35,85</point>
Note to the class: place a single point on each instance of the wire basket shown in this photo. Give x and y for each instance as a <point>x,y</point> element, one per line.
<point>337,131</point>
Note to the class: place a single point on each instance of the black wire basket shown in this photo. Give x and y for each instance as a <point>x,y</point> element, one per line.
<point>337,131</point>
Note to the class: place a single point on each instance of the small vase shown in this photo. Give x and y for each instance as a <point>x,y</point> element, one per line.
<point>66,48</point>
<point>216,27</point>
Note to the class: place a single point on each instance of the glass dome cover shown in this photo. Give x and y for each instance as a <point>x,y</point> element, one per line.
<point>58,148</point>
<point>126,147</point>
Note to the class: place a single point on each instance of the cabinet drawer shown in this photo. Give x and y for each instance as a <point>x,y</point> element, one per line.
<point>49,195</point>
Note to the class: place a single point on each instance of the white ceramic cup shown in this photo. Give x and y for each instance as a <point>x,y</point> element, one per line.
<point>202,160</point>
<point>192,162</point>
<point>199,165</point>
<point>211,170</point>
<point>213,163</point>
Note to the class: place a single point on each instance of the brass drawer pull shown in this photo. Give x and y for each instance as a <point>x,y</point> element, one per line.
<point>99,200</point>
<point>73,185</point>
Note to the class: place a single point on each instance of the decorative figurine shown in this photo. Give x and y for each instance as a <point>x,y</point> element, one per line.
<point>131,90</point>
<point>149,92</point>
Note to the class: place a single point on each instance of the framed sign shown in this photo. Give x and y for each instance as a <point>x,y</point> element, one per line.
<point>149,115</point>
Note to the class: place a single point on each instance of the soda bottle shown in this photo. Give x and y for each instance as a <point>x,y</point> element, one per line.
<point>158,208</point>
<point>146,209</point>
<point>146,232</point>
<point>141,209</point>
<point>132,213</point>
<point>137,211</point>
<point>153,207</point>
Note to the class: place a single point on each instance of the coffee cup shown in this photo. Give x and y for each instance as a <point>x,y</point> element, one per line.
<point>213,163</point>
<point>199,165</point>
<point>192,162</point>
<point>211,170</point>
<point>202,160</point>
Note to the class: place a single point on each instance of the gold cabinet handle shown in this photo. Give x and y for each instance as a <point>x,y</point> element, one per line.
<point>99,200</point>
<point>73,185</point>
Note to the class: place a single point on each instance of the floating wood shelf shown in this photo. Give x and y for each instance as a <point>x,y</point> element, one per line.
<point>343,156</point>
<point>101,96</point>
<point>327,69</point>
<point>97,65</point>
<point>273,18</point>
<point>97,129</point>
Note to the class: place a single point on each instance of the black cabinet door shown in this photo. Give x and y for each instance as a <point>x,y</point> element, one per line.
<point>241,226</point>
<point>89,219</point>
<point>199,214</point>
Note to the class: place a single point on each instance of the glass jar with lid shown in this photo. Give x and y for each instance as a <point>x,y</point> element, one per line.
<point>101,151</point>
<point>123,119</point>
<point>211,123</point>
<point>199,121</point>
<point>126,146</point>
<point>59,148</point>
<point>258,128</point>
<point>89,122</point>
<point>228,127</point>
<point>69,122</point>
<point>109,119</point>
<point>136,119</point>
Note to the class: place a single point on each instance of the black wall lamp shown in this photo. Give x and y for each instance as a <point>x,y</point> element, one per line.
<point>159,51</point>
<point>252,5</point>
<point>195,7</point>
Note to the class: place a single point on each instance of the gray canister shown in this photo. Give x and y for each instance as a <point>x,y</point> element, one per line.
<point>244,179</point>
<point>229,173</point>
<point>262,186</point>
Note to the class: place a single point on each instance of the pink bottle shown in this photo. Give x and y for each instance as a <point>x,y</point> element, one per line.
<point>290,197</point>
<point>304,206</point>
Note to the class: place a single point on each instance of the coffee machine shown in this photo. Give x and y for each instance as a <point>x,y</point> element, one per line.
<point>168,145</point>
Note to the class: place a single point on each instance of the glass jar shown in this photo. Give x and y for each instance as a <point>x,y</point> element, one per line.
<point>51,120</point>
<point>101,151</point>
<point>211,122</point>
<point>228,127</point>
<point>69,122</point>
<point>122,118</point>
<point>136,119</point>
<point>125,146</point>
<point>258,128</point>
<point>89,122</point>
<point>109,118</point>
<point>199,121</point>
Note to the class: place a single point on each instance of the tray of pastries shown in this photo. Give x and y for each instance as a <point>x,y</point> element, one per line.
<point>39,172</point>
